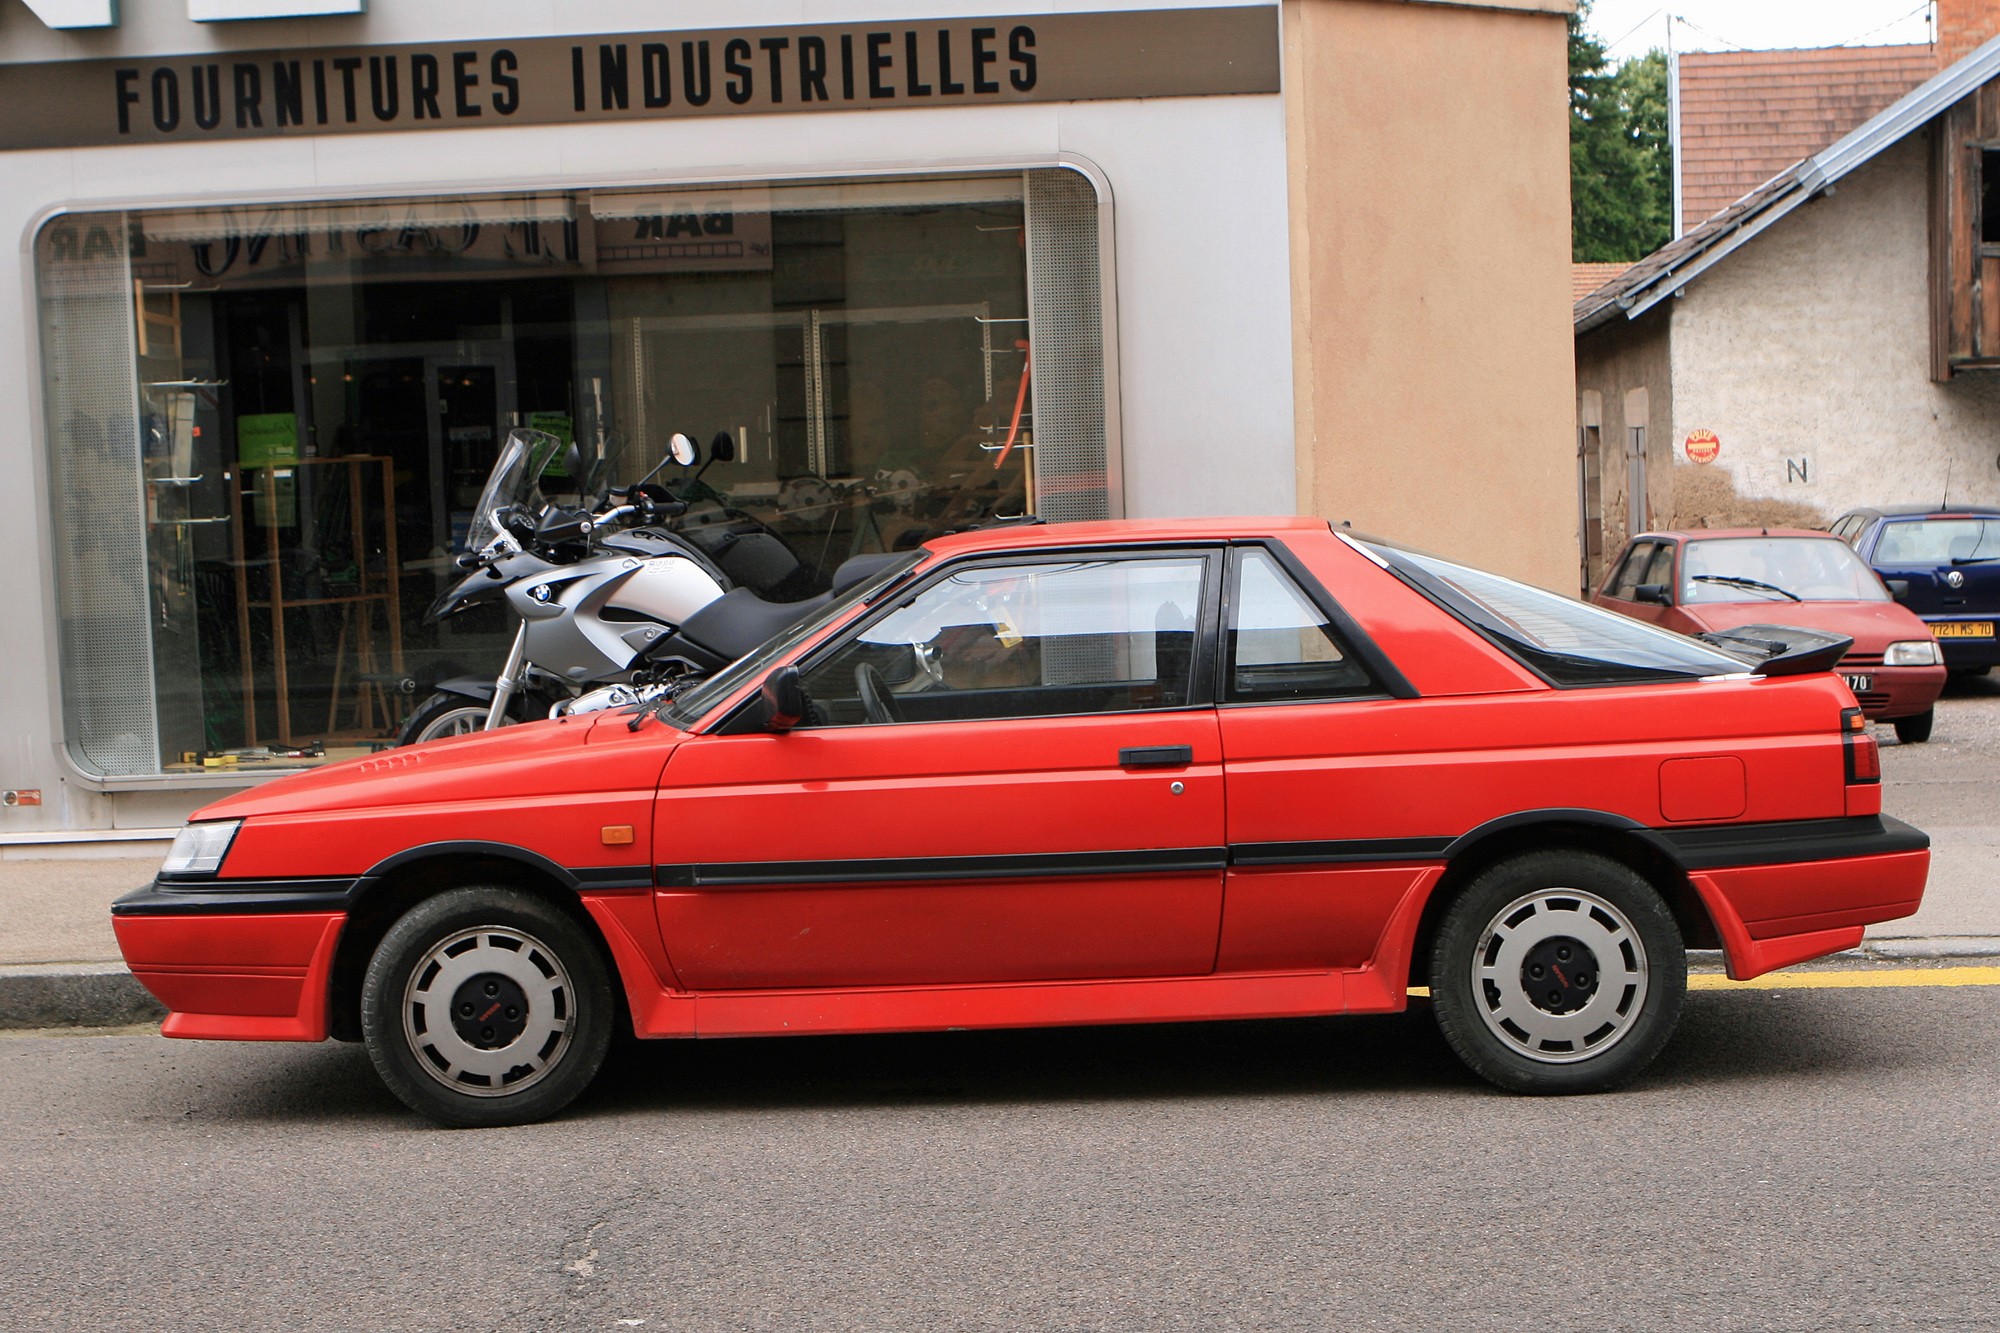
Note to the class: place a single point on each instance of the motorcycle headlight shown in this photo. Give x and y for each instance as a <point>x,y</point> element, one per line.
<point>1912,652</point>
<point>199,848</point>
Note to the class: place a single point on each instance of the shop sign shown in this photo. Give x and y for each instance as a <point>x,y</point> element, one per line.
<point>641,76</point>
<point>1703,446</point>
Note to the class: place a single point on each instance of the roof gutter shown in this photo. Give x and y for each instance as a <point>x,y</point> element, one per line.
<point>1899,120</point>
<point>1672,283</point>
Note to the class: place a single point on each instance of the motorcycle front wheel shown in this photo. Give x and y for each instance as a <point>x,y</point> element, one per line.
<point>446,714</point>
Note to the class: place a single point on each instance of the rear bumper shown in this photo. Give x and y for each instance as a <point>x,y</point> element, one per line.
<point>1772,916</point>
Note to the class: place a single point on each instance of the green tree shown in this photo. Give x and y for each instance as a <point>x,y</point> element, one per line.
<point>1620,162</point>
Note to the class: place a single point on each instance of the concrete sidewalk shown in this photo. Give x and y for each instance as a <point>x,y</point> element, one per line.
<point>60,965</point>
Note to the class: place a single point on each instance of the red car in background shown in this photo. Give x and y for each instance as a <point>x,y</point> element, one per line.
<point>1088,773</point>
<point>1717,580</point>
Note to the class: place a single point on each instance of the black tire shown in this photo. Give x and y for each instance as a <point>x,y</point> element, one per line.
<point>445,714</point>
<point>1916,728</point>
<point>1586,1032</point>
<point>523,1061</point>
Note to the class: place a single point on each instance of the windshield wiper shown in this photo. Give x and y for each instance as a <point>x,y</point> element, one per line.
<point>1737,582</point>
<point>1974,559</point>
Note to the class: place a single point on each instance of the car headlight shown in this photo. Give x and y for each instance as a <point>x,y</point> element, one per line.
<point>1912,652</point>
<point>199,848</point>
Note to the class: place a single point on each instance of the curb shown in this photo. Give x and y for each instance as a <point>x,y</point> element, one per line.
<point>70,995</point>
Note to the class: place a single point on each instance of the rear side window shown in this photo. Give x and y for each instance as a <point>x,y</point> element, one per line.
<point>1565,641</point>
<point>1281,646</point>
<point>1934,541</point>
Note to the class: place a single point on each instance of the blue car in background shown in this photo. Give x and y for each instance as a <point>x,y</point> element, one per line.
<point>1942,563</point>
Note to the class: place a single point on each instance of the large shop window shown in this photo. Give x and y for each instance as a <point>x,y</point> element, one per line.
<point>268,425</point>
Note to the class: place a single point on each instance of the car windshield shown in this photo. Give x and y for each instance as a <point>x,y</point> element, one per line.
<point>1937,541</point>
<point>1565,641</point>
<point>692,706</point>
<point>1776,569</point>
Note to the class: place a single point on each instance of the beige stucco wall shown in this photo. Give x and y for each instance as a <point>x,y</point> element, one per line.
<point>1428,150</point>
<point>1812,344</point>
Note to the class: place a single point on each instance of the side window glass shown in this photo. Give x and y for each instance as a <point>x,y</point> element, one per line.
<point>1280,644</point>
<point>1660,569</point>
<point>1022,640</point>
<point>1629,572</point>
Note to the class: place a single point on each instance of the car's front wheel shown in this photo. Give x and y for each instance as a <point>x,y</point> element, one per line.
<point>1557,972</point>
<point>1916,728</point>
<point>487,1006</point>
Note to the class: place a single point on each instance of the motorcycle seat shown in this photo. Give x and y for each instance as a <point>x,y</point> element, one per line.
<point>739,621</point>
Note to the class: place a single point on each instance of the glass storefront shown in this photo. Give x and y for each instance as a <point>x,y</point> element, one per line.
<point>267,425</point>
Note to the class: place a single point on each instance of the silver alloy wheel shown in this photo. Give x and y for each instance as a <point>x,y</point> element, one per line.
<point>457,722</point>
<point>488,1012</point>
<point>1560,975</point>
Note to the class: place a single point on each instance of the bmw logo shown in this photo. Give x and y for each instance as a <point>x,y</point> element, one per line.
<point>541,592</point>
<point>1955,579</point>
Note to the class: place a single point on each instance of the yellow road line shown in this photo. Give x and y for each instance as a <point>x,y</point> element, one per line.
<point>1877,977</point>
<point>1900,976</point>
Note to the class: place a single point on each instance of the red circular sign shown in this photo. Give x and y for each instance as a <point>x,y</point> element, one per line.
<point>1703,446</point>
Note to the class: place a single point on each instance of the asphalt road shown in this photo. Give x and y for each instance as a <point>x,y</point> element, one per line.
<point>1945,787</point>
<point>1805,1159</point>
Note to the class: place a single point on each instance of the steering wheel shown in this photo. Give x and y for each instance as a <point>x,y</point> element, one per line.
<point>876,701</point>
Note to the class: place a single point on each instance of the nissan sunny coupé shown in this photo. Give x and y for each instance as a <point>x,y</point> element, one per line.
<point>1079,774</point>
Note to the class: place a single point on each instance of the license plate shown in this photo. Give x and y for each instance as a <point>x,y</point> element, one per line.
<point>1860,684</point>
<point>1962,629</point>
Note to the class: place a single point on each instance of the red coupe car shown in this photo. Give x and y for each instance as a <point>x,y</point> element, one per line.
<point>1718,580</point>
<point>1089,773</point>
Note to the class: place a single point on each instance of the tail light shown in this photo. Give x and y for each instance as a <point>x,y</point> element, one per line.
<point>1864,761</point>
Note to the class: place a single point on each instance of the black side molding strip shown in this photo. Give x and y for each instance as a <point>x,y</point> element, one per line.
<point>1789,842</point>
<point>766,874</point>
<point>237,897</point>
<point>1338,851</point>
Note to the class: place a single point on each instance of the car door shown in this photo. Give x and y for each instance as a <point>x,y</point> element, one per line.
<point>1011,774</point>
<point>1297,692</point>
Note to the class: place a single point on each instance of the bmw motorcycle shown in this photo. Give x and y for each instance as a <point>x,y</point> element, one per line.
<point>616,606</point>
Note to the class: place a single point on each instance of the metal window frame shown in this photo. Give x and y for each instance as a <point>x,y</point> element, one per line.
<point>35,368</point>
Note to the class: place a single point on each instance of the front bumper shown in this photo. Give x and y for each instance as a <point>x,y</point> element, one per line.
<point>1896,691</point>
<point>235,960</point>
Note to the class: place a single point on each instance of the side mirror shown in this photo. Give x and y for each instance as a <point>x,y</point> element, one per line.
<point>722,449</point>
<point>784,699</point>
<point>1898,588</point>
<point>683,450</point>
<point>1656,593</point>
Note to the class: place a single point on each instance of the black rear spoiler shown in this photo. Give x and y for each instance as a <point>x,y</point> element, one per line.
<point>1782,650</point>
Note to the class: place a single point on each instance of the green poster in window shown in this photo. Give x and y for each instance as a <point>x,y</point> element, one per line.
<point>270,440</point>
<point>557,424</point>
<point>267,438</point>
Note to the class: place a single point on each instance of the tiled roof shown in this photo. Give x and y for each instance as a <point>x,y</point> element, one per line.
<point>1587,278</point>
<point>1747,115</point>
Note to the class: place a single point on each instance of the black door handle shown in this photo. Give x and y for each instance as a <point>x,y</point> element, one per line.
<point>1156,756</point>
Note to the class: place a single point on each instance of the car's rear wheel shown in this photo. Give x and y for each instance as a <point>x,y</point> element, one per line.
<point>1915,728</point>
<point>1557,972</point>
<point>487,1006</point>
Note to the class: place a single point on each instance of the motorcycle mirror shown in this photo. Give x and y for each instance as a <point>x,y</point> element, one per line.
<point>683,450</point>
<point>784,699</point>
<point>722,449</point>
